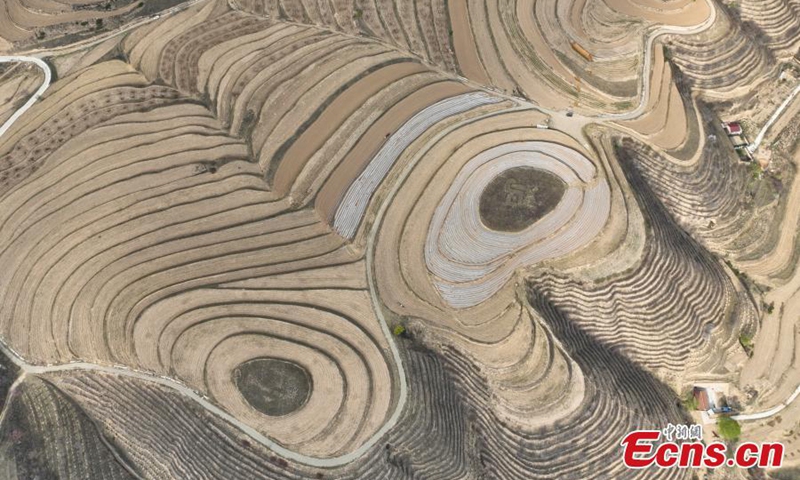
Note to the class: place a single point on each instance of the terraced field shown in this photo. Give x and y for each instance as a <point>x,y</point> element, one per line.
<point>306,239</point>
<point>674,326</point>
<point>517,47</point>
<point>19,82</point>
<point>778,21</point>
<point>25,23</point>
<point>116,190</point>
<point>76,450</point>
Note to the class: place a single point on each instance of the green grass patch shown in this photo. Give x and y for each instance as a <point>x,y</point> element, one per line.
<point>690,402</point>
<point>729,429</point>
<point>755,170</point>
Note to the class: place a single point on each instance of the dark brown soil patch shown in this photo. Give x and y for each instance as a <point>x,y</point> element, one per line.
<point>518,197</point>
<point>272,386</point>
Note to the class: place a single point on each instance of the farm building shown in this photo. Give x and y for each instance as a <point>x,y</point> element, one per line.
<point>733,128</point>
<point>711,400</point>
<point>739,141</point>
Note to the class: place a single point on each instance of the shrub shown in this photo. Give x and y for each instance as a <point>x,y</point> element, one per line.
<point>746,341</point>
<point>667,53</point>
<point>755,170</point>
<point>729,429</point>
<point>690,403</point>
<point>399,331</point>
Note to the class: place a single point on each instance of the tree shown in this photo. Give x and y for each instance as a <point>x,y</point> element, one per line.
<point>690,403</point>
<point>746,341</point>
<point>729,429</point>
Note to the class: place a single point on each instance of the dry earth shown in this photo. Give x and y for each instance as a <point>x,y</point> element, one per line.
<point>271,238</point>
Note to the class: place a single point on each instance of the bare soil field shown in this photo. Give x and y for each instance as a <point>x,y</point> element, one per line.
<point>381,239</point>
<point>18,82</point>
<point>45,434</point>
<point>43,24</point>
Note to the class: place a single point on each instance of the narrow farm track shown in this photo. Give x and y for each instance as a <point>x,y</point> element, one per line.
<point>18,82</point>
<point>773,118</point>
<point>188,393</point>
<point>486,38</point>
<point>187,389</point>
<point>28,104</point>
<point>295,180</point>
<point>43,198</point>
<point>10,32</point>
<point>647,65</point>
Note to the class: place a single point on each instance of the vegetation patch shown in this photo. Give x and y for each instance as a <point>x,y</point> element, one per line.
<point>8,374</point>
<point>729,429</point>
<point>689,402</point>
<point>272,386</point>
<point>519,197</point>
<point>746,341</point>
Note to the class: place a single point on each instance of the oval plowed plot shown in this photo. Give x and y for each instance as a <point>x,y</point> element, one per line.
<point>120,244</point>
<point>273,386</point>
<point>255,248</point>
<point>471,261</point>
<point>518,197</point>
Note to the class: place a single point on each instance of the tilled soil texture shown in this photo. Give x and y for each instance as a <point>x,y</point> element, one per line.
<point>519,197</point>
<point>272,386</point>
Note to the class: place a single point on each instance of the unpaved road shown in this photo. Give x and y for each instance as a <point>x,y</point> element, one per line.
<point>105,36</point>
<point>768,413</point>
<point>48,76</point>
<point>202,400</point>
<point>774,118</point>
<point>648,61</point>
<point>573,125</point>
<point>774,358</point>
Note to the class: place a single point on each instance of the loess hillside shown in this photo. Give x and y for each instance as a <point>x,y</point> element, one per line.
<point>431,239</point>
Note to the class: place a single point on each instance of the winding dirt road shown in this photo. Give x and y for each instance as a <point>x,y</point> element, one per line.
<point>574,126</point>
<point>648,61</point>
<point>48,76</point>
<point>202,400</point>
<point>774,118</point>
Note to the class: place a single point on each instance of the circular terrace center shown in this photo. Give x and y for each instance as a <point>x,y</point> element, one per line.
<point>272,386</point>
<point>518,197</point>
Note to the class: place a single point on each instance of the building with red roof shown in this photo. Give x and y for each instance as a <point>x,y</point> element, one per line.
<point>733,128</point>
